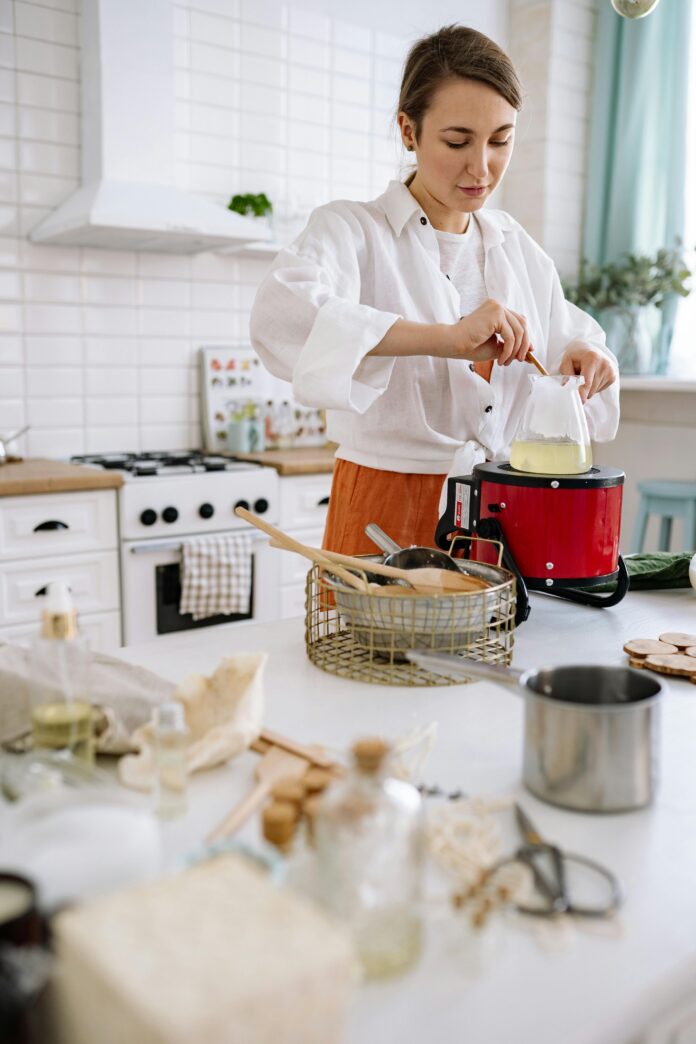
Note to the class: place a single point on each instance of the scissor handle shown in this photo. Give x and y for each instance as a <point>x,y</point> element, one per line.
<point>554,887</point>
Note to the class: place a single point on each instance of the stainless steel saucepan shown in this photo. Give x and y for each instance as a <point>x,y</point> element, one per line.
<point>590,733</point>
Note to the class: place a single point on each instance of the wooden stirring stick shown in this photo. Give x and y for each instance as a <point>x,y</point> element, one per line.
<point>291,544</point>
<point>531,357</point>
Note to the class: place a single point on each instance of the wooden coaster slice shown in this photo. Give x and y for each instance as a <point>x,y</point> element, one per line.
<point>677,663</point>
<point>682,641</point>
<point>639,648</point>
<point>691,651</point>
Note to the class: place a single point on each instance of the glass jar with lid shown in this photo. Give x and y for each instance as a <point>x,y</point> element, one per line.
<point>552,437</point>
<point>369,838</point>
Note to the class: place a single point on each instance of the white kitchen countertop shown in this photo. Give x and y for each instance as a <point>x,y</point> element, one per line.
<point>600,989</point>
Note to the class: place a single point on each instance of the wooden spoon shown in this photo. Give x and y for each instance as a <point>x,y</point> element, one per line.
<point>427,579</point>
<point>274,765</point>
<point>290,544</point>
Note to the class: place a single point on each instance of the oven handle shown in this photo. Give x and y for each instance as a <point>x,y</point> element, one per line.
<point>156,545</point>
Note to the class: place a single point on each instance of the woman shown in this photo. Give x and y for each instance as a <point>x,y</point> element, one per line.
<point>409,317</point>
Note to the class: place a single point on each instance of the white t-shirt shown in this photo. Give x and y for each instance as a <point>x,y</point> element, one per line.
<point>462,261</point>
<point>330,297</point>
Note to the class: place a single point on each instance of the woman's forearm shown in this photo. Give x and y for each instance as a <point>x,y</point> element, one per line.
<point>407,338</point>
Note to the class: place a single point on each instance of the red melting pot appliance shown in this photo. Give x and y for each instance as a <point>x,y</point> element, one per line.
<point>559,533</point>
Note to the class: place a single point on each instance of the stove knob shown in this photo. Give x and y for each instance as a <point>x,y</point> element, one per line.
<point>170,514</point>
<point>261,506</point>
<point>148,517</point>
<point>242,503</point>
<point>206,511</point>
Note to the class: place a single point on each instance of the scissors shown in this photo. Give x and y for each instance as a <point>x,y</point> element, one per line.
<point>549,865</point>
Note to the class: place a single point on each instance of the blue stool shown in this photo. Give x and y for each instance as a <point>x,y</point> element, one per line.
<point>669,500</point>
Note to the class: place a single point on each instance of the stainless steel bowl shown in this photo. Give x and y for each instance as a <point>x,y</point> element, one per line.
<point>389,623</point>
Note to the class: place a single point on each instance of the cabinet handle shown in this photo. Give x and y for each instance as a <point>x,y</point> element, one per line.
<point>44,590</point>
<point>323,502</point>
<point>51,524</point>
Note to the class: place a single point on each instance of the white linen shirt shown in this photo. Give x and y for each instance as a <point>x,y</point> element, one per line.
<point>331,297</point>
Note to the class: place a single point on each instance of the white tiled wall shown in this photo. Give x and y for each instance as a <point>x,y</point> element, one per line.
<point>551,43</point>
<point>98,348</point>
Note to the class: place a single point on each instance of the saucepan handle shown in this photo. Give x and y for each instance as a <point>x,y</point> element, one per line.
<point>445,663</point>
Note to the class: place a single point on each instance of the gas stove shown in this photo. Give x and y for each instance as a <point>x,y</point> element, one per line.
<point>186,492</point>
<point>168,498</point>
<point>162,462</point>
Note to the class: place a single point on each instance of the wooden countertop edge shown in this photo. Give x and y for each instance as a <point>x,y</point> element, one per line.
<point>34,477</point>
<point>305,460</point>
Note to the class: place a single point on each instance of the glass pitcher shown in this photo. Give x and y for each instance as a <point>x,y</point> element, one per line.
<point>552,438</point>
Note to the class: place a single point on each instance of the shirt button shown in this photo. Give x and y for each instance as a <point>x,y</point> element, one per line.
<point>488,409</point>
<point>448,278</point>
<point>424,221</point>
<point>472,367</point>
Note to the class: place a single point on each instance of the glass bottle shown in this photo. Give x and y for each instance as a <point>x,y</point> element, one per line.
<point>552,437</point>
<point>171,741</point>
<point>61,712</point>
<point>369,839</point>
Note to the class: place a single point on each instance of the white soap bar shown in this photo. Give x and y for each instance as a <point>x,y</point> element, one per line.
<point>217,954</point>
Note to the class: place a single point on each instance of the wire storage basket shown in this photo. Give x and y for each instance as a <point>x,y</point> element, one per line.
<point>364,636</point>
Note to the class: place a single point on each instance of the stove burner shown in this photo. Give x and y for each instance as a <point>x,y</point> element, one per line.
<point>163,462</point>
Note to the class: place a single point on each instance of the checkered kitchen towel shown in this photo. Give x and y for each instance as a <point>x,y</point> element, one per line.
<point>216,575</point>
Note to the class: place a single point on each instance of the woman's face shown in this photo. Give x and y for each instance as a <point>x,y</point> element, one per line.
<point>464,147</point>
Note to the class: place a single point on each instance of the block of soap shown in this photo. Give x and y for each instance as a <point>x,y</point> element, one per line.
<point>217,954</point>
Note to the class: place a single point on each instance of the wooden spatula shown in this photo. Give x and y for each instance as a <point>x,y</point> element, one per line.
<point>274,765</point>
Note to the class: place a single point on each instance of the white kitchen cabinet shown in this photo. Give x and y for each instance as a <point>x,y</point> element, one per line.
<point>304,502</point>
<point>72,537</point>
<point>57,523</point>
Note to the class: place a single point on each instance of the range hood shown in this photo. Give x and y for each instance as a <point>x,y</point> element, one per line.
<point>128,199</point>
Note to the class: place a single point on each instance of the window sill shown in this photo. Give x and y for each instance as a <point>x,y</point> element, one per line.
<point>653,383</point>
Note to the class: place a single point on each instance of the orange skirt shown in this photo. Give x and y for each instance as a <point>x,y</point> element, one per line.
<point>405,506</point>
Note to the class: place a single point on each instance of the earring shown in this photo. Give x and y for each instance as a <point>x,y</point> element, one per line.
<point>409,148</point>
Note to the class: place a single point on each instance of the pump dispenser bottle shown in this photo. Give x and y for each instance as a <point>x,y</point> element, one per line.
<point>61,710</point>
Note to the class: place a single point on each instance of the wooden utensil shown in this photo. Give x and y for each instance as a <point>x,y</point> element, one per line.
<point>311,751</point>
<point>531,357</point>
<point>424,581</point>
<point>428,580</point>
<point>290,544</point>
<point>275,764</point>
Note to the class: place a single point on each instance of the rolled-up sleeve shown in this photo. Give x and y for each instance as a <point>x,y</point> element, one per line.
<point>309,325</point>
<point>568,323</point>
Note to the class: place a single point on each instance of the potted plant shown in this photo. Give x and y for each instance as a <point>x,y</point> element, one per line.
<point>626,298</point>
<point>258,205</point>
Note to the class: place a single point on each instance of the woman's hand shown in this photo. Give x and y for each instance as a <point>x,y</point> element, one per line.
<point>491,332</point>
<point>596,367</point>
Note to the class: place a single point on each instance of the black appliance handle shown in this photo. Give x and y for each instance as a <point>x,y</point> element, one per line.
<point>491,529</point>
<point>446,527</point>
<point>599,601</point>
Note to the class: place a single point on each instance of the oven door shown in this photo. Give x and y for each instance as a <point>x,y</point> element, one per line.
<point>151,589</point>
